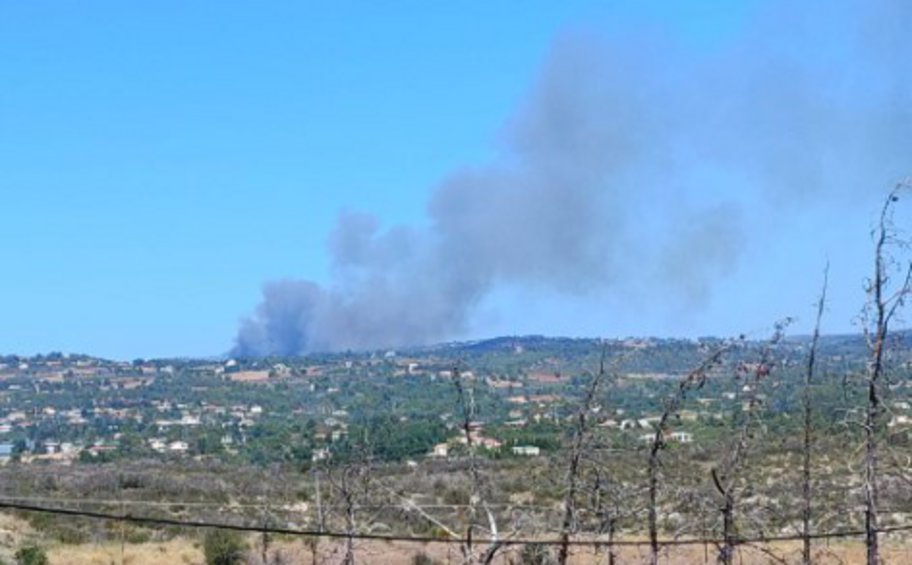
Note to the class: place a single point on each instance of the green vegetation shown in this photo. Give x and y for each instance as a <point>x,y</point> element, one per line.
<point>31,555</point>
<point>223,547</point>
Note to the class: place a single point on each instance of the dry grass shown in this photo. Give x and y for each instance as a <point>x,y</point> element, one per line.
<point>12,533</point>
<point>249,376</point>
<point>183,551</point>
<point>15,532</point>
<point>176,552</point>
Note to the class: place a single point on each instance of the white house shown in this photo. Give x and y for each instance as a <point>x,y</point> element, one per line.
<point>681,437</point>
<point>899,420</point>
<point>628,424</point>
<point>189,420</point>
<point>178,447</point>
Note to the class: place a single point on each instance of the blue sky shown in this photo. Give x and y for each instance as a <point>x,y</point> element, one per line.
<point>159,162</point>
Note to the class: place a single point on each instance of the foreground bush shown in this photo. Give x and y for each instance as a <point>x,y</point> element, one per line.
<point>223,547</point>
<point>31,555</point>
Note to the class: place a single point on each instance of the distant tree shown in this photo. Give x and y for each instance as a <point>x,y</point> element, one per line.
<point>19,446</point>
<point>131,444</point>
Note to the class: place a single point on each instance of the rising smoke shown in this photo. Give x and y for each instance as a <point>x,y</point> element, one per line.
<point>599,176</point>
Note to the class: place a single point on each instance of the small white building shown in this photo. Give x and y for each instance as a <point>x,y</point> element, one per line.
<point>899,420</point>
<point>189,420</point>
<point>681,437</point>
<point>628,424</point>
<point>178,447</point>
<point>526,450</point>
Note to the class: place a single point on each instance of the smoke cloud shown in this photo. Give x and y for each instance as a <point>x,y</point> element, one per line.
<point>607,173</point>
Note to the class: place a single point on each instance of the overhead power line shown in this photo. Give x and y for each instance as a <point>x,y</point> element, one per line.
<point>418,539</point>
<point>237,505</point>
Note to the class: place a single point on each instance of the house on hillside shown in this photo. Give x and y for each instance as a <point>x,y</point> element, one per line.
<point>688,415</point>
<point>899,420</point>
<point>489,443</point>
<point>675,437</point>
<point>178,447</point>
<point>681,437</point>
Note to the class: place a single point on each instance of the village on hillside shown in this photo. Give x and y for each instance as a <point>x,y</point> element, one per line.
<point>63,409</point>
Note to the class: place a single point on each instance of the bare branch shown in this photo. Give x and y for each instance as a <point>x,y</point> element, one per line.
<point>694,379</point>
<point>806,470</point>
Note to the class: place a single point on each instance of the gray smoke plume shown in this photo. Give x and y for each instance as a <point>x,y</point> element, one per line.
<point>597,180</point>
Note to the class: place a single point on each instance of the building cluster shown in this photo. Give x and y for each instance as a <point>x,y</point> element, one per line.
<point>60,408</point>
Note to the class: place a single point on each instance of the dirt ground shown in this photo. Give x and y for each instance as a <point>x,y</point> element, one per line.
<point>189,552</point>
<point>15,532</point>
